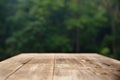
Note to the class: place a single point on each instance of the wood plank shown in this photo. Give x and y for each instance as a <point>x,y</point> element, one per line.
<point>96,68</point>
<point>8,67</point>
<point>39,68</point>
<point>62,69</point>
<point>82,67</point>
<point>66,68</point>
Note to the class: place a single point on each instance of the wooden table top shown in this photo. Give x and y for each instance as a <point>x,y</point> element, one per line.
<point>60,67</point>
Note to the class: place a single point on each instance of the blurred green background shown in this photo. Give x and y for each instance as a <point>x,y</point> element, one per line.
<point>71,26</point>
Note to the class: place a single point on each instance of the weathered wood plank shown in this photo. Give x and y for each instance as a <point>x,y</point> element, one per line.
<point>66,68</point>
<point>39,68</point>
<point>101,66</point>
<point>62,69</point>
<point>10,66</point>
<point>83,67</point>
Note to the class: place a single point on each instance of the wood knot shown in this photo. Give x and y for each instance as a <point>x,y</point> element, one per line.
<point>118,70</point>
<point>103,73</point>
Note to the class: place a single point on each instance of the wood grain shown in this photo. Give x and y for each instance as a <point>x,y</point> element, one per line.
<point>10,66</point>
<point>39,68</point>
<point>60,67</point>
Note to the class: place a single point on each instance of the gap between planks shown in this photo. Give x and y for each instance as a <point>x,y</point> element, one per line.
<point>18,68</point>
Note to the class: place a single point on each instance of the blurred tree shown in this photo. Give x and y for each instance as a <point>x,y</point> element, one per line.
<point>3,28</point>
<point>59,26</point>
<point>45,26</point>
<point>85,17</point>
<point>40,27</point>
<point>112,8</point>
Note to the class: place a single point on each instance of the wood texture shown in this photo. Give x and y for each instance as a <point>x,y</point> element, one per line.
<point>60,67</point>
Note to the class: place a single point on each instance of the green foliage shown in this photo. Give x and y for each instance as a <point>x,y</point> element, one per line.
<point>105,51</point>
<point>56,26</point>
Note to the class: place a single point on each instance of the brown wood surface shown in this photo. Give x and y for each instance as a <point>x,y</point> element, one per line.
<point>60,67</point>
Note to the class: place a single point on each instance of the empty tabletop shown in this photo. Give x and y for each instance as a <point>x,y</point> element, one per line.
<point>62,66</point>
